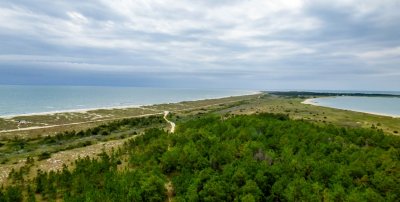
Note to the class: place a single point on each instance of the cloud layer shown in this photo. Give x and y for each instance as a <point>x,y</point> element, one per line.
<point>239,44</point>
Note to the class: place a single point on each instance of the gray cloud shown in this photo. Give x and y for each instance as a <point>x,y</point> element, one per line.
<point>242,44</point>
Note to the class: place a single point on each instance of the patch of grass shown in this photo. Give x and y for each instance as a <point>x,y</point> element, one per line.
<point>296,110</point>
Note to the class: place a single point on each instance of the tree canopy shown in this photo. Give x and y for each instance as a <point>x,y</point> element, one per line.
<point>260,157</point>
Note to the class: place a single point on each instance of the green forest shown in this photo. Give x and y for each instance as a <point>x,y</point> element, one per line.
<point>260,157</point>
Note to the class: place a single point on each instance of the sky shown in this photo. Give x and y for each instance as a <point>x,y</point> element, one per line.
<point>246,44</point>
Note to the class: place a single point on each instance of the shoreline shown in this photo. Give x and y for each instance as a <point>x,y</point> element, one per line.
<point>86,110</point>
<point>310,101</point>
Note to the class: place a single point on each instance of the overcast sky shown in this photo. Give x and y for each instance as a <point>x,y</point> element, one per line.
<point>252,44</point>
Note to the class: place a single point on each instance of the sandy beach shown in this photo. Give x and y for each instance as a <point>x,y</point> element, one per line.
<point>312,101</point>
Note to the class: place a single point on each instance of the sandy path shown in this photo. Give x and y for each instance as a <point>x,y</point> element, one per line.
<point>168,185</point>
<point>170,122</point>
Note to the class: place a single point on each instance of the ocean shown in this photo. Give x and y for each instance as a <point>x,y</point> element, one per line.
<point>389,106</point>
<point>23,100</point>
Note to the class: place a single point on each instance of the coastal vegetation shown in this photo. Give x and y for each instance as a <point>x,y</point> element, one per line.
<point>252,148</point>
<point>262,157</point>
<point>52,146</point>
<point>44,146</point>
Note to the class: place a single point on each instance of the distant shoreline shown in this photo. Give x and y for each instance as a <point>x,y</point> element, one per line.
<point>122,107</point>
<point>311,101</point>
<point>333,94</point>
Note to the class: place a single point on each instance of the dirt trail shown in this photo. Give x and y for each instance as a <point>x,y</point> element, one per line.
<point>168,185</point>
<point>170,122</point>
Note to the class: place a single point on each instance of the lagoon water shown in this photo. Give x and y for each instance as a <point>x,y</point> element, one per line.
<point>17,100</point>
<point>389,106</point>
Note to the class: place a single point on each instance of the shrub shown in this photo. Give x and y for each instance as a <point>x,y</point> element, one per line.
<point>44,155</point>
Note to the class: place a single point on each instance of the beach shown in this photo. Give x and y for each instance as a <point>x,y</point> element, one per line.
<point>319,102</point>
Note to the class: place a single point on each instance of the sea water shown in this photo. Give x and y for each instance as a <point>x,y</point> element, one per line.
<point>389,106</point>
<point>19,100</point>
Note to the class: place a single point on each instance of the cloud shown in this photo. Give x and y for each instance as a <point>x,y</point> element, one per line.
<point>261,43</point>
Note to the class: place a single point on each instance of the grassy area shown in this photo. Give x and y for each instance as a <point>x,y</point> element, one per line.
<point>322,115</point>
<point>14,153</point>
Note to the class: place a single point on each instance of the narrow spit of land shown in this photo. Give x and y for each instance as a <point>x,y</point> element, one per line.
<point>50,124</point>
